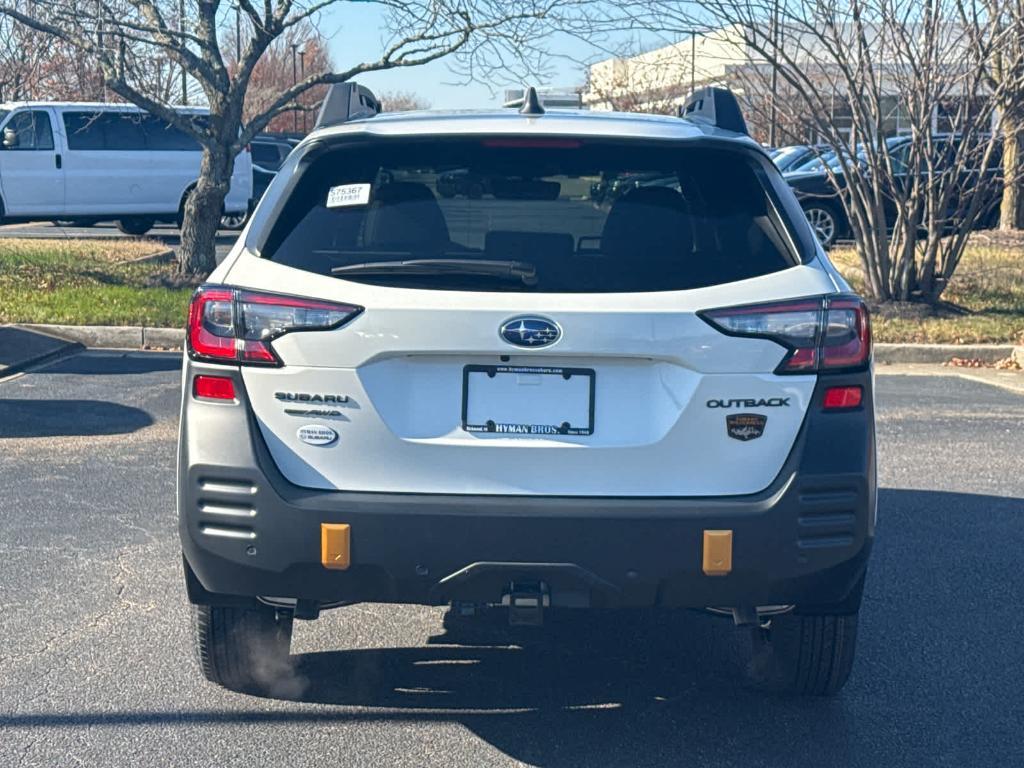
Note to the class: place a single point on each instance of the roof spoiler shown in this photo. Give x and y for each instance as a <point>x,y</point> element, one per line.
<point>717,107</point>
<point>345,102</point>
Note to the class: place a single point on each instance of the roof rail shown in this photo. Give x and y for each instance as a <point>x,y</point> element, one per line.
<point>717,107</point>
<point>345,102</point>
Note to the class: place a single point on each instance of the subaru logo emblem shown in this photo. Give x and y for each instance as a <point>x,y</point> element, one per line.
<point>530,332</point>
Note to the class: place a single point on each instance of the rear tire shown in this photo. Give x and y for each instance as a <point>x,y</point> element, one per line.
<point>136,225</point>
<point>805,655</point>
<point>245,649</point>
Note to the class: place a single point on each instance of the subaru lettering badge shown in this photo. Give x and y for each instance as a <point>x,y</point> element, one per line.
<point>316,434</point>
<point>530,332</point>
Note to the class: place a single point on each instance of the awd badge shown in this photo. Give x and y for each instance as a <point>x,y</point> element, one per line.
<point>316,434</point>
<point>745,426</point>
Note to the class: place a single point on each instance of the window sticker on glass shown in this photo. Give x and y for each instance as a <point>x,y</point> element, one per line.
<point>348,194</point>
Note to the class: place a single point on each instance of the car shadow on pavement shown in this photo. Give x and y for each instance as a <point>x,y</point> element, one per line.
<point>114,363</point>
<point>68,418</point>
<point>937,680</point>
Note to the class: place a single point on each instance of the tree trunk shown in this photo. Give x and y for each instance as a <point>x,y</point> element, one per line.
<point>203,210</point>
<point>1011,209</point>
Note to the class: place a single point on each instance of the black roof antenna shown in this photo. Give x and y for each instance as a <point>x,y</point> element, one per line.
<point>531,103</point>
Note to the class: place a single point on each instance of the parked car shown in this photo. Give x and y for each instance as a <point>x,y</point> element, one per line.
<point>614,185</point>
<point>268,152</point>
<point>823,207</point>
<point>527,404</point>
<point>789,158</point>
<point>80,161</point>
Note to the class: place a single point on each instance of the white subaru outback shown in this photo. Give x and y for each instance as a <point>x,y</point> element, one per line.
<point>528,360</point>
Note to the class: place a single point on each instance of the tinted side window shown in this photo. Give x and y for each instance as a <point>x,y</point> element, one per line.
<point>266,155</point>
<point>33,130</point>
<point>84,130</point>
<point>163,136</point>
<point>123,131</point>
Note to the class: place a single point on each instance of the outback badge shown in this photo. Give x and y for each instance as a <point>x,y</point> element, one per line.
<point>745,426</point>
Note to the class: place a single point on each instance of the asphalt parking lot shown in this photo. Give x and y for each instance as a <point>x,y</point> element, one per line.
<point>96,666</point>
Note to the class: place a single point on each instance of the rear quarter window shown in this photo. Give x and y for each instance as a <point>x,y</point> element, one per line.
<point>589,216</point>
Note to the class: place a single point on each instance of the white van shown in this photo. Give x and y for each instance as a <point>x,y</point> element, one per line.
<point>90,162</point>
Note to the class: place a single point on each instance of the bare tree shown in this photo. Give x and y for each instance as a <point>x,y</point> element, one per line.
<point>401,101</point>
<point>121,34</point>
<point>286,61</point>
<point>860,72</point>
<point>1005,77</point>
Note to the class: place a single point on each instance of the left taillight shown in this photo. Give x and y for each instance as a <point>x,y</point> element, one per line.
<point>231,325</point>
<point>828,333</point>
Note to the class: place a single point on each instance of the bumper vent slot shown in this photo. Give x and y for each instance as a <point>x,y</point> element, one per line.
<point>827,518</point>
<point>226,511</point>
<point>227,532</point>
<point>824,542</point>
<point>226,487</point>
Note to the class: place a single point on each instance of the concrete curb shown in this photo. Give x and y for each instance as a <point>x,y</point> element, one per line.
<point>942,353</point>
<point>113,336</point>
<point>137,336</point>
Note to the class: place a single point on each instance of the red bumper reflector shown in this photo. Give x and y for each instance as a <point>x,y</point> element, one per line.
<point>837,398</point>
<point>214,387</point>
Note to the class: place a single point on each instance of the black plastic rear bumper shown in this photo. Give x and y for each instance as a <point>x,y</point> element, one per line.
<point>804,541</point>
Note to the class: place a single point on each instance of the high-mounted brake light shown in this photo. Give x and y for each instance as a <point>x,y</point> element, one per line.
<point>229,325</point>
<point>532,143</point>
<point>828,333</point>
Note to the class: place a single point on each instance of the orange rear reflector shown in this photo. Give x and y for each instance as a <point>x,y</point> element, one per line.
<point>334,545</point>
<point>717,552</point>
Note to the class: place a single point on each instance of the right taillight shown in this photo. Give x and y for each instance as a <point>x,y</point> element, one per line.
<point>231,325</point>
<point>827,333</point>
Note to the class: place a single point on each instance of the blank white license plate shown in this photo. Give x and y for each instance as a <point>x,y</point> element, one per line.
<point>526,400</point>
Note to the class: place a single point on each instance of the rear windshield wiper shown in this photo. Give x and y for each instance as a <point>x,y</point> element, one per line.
<point>505,270</point>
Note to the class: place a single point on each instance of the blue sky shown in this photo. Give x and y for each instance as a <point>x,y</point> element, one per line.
<point>355,33</point>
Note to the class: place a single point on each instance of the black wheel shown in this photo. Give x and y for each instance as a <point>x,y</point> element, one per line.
<point>824,221</point>
<point>245,649</point>
<point>475,190</point>
<point>806,655</point>
<point>136,225</point>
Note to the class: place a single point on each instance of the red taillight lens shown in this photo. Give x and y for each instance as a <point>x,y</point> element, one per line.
<point>827,333</point>
<point>213,387</point>
<point>846,341</point>
<point>838,398</point>
<point>235,326</point>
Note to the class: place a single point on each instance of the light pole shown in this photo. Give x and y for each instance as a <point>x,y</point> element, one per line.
<point>302,74</point>
<point>693,57</point>
<point>693,60</point>
<point>238,35</point>
<point>295,80</point>
<point>775,74</point>
<point>181,29</point>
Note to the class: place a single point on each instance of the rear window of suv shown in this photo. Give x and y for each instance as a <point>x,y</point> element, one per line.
<point>585,216</point>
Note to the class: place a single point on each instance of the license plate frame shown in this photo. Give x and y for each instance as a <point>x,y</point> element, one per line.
<point>529,430</point>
